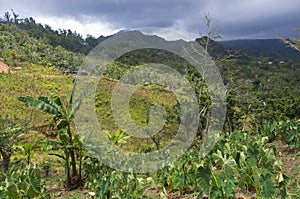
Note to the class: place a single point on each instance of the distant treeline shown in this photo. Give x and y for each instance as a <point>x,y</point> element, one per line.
<point>68,39</point>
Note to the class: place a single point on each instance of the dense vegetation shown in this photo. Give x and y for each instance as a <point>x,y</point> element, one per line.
<point>20,49</point>
<point>69,40</point>
<point>42,153</point>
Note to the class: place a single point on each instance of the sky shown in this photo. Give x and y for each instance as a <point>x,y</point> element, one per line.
<point>232,19</point>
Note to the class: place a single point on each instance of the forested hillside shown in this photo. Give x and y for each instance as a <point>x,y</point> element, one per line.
<point>19,48</point>
<point>43,155</point>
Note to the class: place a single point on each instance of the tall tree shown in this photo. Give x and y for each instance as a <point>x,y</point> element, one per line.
<point>15,15</point>
<point>7,16</point>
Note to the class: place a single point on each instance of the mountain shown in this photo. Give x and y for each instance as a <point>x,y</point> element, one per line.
<point>215,49</point>
<point>263,47</point>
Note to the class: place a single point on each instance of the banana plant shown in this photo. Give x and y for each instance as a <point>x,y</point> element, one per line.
<point>62,120</point>
<point>9,133</point>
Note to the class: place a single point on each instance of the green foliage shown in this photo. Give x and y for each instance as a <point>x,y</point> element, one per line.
<point>9,135</point>
<point>62,120</point>
<point>118,138</point>
<point>289,132</point>
<point>18,48</point>
<point>238,161</point>
<point>28,149</point>
<point>258,91</point>
<point>286,131</point>
<point>72,41</point>
<point>36,84</point>
<point>108,183</point>
<point>24,182</point>
<point>268,129</point>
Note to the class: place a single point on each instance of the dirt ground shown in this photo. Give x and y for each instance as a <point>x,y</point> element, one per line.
<point>3,67</point>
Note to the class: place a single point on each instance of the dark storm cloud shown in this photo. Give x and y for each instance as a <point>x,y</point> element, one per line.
<point>235,18</point>
<point>264,27</point>
<point>122,13</point>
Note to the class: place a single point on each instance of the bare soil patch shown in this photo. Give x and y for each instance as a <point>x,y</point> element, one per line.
<point>3,67</point>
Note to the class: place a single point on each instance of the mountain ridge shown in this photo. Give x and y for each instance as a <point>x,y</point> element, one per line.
<point>263,47</point>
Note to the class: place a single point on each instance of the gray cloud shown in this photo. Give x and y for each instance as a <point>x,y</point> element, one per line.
<point>236,18</point>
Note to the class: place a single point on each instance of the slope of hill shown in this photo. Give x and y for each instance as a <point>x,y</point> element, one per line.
<point>263,47</point>
<point>18,48</point>
<point>68,39</point>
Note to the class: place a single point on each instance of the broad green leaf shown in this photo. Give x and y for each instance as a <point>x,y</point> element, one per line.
<point>31,192</point>
<point>54,102</point>
<point>267,185</point>
<point>227,149</point>
<point>257,177</point>
<point>56,99</point>
<point>12,190</point>
<point>218,158</point>
<point>203,179</point>
<point>229,187</point>
<point>288,138</point>
<point>105,185</point>
<point>229,167</point>
<point>283,183</point>
<point>39,104</point>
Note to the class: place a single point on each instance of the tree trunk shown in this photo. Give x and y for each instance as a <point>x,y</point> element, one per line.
<point>80,167</point>
<point>229,124</point>
<point>73,162</point>
<point>72,153</point>
<point>6,160</point>
<point>156,140</point>
<point>68,168</point>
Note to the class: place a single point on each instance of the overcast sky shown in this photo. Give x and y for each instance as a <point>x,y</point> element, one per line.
<point>235,19</point>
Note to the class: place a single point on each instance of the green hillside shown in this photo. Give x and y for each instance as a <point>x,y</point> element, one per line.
<point>256,156</point>
<point>18,48</point>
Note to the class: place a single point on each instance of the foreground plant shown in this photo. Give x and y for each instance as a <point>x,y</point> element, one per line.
<point>239,165</point>
<point>9,134</point>
<point>69,142</point>
<point>24,182</point>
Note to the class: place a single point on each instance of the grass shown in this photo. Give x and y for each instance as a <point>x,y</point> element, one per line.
<point>33,84</point>
<point>141,100</point>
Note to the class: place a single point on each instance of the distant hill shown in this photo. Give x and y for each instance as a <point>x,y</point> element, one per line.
<point>18,48</point>
<point>263,47</point>
<point>215,49</point>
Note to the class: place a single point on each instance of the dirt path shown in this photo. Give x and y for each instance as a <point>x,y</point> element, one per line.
<point>3,67</point>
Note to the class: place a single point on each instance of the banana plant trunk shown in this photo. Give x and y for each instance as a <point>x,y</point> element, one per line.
<point>72,153</point>
<point>5,160</point>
